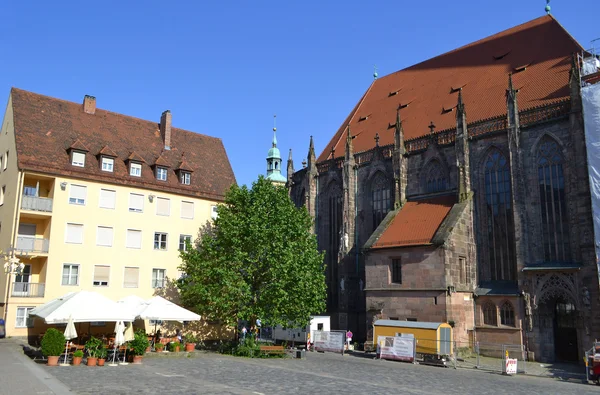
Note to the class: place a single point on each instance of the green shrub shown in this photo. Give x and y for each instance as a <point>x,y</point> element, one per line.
<point>93,347</point>
<point>78,354</point>
<point>174,345</point>
<point>53,343</point>
<point>102,352</point>
<point>140,343</point>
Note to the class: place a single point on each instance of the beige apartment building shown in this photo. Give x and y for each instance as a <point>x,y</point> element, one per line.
<point>95,200</point>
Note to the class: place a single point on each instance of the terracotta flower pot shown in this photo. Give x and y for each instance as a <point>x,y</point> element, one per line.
<point>190,347</point>
<point>160,347</point>
<point>137,359</point>
<point>77,361</point>
<point>92,361</point>
<point>101,361</point>
<point>53,360</point>
<point>177,349</point>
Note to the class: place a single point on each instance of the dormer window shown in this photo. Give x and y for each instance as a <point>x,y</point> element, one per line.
<point>108,164</point>
<point>78,158</point>
<point>185,177</point>
<point>161,173</point>
<point>135,169</point>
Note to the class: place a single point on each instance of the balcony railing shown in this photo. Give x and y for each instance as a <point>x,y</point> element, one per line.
<point>35,203</point>
<point>32,244</point>
<point>28,290</point>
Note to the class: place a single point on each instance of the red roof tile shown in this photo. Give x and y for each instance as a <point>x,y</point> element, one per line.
<point>46,127</point>
<point>416,222</point>
<point>480,68</point>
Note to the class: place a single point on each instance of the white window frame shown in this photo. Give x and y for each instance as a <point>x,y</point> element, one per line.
<point>112,236</point>
<point>81,226</point>
<point>77,159</point>
<point>70,275</point>
<point>213,212</point>
<point>77,200</point>
<point>135,169</point>
<point>127,238</point>
<point>182,243</point>
<point>26,320</point>
<point>114,199</point>
<point>137,284</point>
<point>155,280</point>
<point>158,199</point>
<point>161,173</point>
<point>100,282</point>
<point>135,209</point>
<point>160,241</point>
<point>185,177</point>
<point>108,164</point>
<point>183,202</point>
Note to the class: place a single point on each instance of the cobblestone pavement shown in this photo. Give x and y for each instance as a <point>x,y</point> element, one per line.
<point>208,373</point>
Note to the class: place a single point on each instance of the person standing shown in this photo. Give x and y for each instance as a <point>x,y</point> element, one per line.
<point>348,339</point>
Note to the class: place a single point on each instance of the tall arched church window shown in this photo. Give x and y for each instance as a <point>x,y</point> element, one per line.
<point>380,198</point>
<point>435,178</point>
<point>507,314</point>
<point>489,314</point>
<point>499,215</point>
<point>555,231</point>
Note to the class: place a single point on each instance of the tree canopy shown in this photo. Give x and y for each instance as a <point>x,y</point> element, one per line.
<point>258,259</point>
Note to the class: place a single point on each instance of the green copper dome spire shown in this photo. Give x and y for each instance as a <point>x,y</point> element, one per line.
<point>548,8</point>
<point>274,159</point>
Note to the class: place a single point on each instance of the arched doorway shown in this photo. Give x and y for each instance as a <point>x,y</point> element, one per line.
<point>565,331</point>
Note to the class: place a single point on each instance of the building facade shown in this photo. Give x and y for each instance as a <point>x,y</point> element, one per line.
<point>94,200</point>
<point>457,191</point>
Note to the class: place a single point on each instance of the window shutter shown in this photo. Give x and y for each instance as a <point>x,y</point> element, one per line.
<point>136,202</point>
<point>134,238</point>
<point>163,206</point>
<point>107,198</point>
<point>101,275</point>
<point>105,236</point>
<point>78,159</point>
<point>74,233</point>
<point>131,277</point>
<point>187,210</point>
<point>78,192</point>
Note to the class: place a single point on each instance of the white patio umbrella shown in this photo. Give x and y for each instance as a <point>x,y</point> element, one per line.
<point>82,306</point>
<point>160,309</point>
<point>132,303</point>
<point>70,333</point>
<point>119,339</point>
<point>128,336</point>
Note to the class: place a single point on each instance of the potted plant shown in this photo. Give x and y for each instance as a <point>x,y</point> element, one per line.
<point>102,355</point>
<point>77,357</point>
<point>53,344</point>
<point>174,347</point>
<point>138,346</point>
<point>159,347</point>
<point>190,342</point>
<point>93,348</point>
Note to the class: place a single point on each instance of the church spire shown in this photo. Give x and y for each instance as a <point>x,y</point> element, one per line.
<point>274,159</point>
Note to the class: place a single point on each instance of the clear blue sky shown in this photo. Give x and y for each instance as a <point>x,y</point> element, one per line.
<point>224,68</point>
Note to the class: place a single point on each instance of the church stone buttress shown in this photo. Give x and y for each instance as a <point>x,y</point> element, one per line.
<point>311,180</point>
<point>462,151</point>
<point>349,190</point>
<point>399,163</point>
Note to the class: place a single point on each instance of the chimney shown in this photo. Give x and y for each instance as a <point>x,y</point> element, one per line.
<point>89,104</point>
<point>165,128</point>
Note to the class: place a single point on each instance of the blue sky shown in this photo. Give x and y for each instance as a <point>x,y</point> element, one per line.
<point>224,68</point>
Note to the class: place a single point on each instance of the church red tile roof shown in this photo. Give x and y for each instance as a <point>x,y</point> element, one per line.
<point>538,53</point>
<point>46,127</point>
<point>416,223</point>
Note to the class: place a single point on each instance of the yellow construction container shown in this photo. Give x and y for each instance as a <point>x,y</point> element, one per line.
<point>433,338</point>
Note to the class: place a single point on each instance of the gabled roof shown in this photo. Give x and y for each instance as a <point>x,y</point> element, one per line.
<point>183,165</point>
<point>160,161</point>
<point>538,53</point>
<point>416,223</point>
<point>106,151</point>
<point>78,146</point>
<point>46,127</point>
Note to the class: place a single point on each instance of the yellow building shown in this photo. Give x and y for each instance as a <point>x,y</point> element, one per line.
<point>95,200</point>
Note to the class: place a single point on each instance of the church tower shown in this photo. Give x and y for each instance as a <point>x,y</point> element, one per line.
<point>274,161</point>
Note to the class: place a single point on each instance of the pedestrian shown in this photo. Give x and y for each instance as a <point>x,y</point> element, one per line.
<point>244,331</point>
<point>348,339</point>
<point>179,336</point>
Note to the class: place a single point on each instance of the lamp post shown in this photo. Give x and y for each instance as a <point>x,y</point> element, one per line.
<point>12,265</point>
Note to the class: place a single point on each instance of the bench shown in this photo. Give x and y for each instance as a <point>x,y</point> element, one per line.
<point>272,349</point>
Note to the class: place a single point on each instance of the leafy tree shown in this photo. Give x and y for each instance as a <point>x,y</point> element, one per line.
<point>258,260</point>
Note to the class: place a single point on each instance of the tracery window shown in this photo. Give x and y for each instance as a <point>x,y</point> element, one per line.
<point>489,314</point>
<point>435,178</point>
<point>507,314</point>
<point>380,198</point>
<point>499,216</point>
<point>555,232</point>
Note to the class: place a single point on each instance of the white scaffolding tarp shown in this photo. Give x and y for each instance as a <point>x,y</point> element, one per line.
<point>591,118</point>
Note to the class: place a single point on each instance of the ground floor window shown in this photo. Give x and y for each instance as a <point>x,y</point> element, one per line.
<point>507,314</point>
<point>23,319</point>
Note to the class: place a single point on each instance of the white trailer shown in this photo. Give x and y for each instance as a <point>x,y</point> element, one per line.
<point>299,335</point>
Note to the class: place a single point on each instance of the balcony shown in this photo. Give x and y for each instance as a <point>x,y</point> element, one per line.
<point>35,203</point>
<point>28,290</point>
<point>32,244</point>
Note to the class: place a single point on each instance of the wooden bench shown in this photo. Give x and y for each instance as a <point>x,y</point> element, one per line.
<point>272,349</point>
